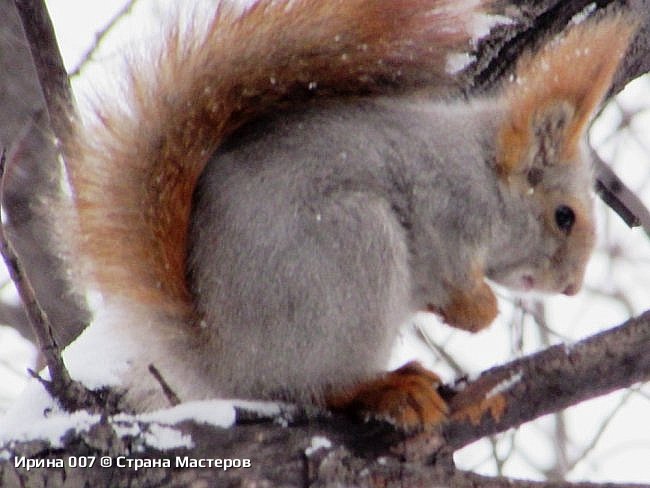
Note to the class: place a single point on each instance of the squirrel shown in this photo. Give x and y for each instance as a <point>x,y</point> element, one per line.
<point>270,198</point>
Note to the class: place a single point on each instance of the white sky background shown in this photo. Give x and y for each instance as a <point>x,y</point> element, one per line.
<point>623,452</point>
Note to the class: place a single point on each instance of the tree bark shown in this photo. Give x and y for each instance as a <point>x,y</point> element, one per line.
<point>354,453</point>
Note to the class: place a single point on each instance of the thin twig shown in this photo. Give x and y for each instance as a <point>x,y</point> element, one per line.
<point>171,396</point>
<point>423,335</point>
<point>593,444</point>
<point>619,197</point>
<point>99,37</point>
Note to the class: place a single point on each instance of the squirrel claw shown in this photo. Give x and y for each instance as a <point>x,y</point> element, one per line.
<point>406,398</point>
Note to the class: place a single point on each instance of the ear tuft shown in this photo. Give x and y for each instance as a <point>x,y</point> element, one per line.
<point>556,91</point>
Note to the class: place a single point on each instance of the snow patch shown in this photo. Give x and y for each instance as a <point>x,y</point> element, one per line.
<point>457,62</point>
<point>163,437</point>
<point>583,14</point>
<point>482,24</point>
<point>318,442</point>
<point>35,416</point>
<point>220,413</point>
<point>261,408</point>
<point>478,28</point>
<point>505,385</point>
<point>99,357</point>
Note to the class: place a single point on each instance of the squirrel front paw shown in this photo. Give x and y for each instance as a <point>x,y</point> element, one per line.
<point>407,398</point>
<point>469,309</point>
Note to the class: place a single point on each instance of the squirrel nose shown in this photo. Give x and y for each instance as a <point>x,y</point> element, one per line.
<point>571,289</point>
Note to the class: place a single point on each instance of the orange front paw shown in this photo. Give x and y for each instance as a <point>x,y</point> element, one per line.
<point>406,398</point>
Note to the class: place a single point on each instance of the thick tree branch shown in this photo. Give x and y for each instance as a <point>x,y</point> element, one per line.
<point>373,454</point>
<point>549,381</point>
<point>50,70</point>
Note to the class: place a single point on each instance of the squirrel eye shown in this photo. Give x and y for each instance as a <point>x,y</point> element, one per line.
<point>564,218</point>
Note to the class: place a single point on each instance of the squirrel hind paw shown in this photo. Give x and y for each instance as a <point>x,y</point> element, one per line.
<point>406,398</point>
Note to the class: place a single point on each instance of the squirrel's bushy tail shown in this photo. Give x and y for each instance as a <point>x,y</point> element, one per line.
<point>134,167</point>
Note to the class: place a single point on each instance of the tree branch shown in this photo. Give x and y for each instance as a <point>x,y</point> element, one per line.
<point>357,453</point>
<point>551,380</point>
<point>619,197</point>
<point>47,59</point>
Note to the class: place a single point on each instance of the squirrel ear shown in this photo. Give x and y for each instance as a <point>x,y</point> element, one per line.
<point>555,92</point>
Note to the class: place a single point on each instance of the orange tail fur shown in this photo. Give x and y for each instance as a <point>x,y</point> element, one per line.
<point>133,170</point>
